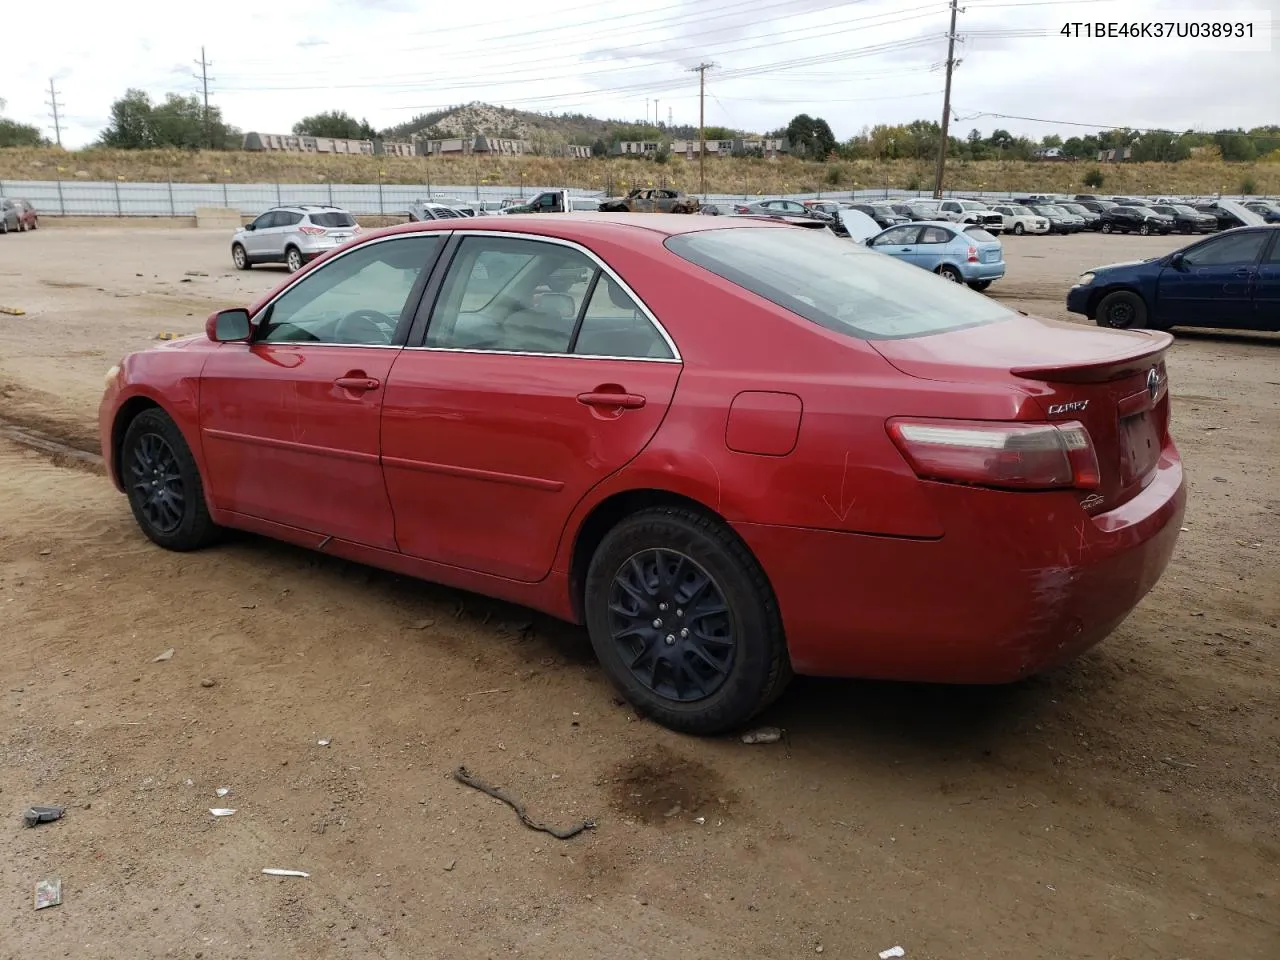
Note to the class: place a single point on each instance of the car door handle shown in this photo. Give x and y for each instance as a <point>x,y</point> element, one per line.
<point>1244,273</point>
<point>358,383</point>
<point>605,398</point>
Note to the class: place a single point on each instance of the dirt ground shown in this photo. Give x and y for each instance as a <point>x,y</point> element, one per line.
<point>1125,806</point>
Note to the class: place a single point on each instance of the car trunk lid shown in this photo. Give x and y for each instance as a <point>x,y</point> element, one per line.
<point>1112,382</point>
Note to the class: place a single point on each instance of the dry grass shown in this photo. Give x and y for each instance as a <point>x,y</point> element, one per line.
<point>730,176</point>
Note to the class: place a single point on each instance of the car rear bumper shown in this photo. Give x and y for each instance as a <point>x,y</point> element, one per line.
<point>1018,584</point>
<point>983,271</point>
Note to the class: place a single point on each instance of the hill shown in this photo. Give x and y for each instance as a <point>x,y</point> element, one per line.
<point>734,177</point>
<point>482,118</point>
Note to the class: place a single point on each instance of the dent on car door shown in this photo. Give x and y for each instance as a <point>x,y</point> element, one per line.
<point>289,421</point>
<point>518,401</point>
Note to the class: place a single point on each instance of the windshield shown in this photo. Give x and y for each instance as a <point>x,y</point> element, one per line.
<point>339,219</point>
<point>970,205</point>
<point>1075,208</point>
<point>836,284</point>
<point>1021,211</point>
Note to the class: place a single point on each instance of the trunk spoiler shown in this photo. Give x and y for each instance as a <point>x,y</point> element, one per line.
<point>1117,367</point>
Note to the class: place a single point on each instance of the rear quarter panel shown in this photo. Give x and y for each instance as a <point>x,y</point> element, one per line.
<point>843,473</point>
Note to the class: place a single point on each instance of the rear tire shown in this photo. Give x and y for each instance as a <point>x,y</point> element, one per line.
<point>721,656</point>
<point>163,483</point>
<point>239,257</point>
<point>293,259</point>
<point>1121,310</point>
<point>948,272</point>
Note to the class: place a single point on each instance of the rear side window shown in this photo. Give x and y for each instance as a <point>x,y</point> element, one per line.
<point>979,234</point>
<point>339,218</point>
<point>287,218</point>
<point>834,283</point>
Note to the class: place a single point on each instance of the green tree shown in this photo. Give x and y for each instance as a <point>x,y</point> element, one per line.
<point>130,125</point>
<point>138,124</point>
<point>1094,178</point>
<point>1235,146</point>
<point>334,123</point>
<point>1051,140</point>
<point>1162,147</point>
<point>810,136</point>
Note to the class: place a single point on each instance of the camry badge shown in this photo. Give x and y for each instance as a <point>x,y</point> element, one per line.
<point>1074,406</point>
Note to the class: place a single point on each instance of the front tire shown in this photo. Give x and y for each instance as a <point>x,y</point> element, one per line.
<point>239,257</point>
<point>1107,228</point>
<point>163,483</point>
<point>1019,229</point>
<point>684,622</point>
<point>1145,230</point>
<point>979,285</point>
<point>948,272</point>
<point>293,259</point>
<point>1122,310</point>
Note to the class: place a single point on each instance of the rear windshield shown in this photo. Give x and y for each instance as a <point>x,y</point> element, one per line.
<point>339,219</point>
<point>836,283</point>
<point>979,234</point>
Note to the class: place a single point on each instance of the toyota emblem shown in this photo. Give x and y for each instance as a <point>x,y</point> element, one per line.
<point>1153,382</point>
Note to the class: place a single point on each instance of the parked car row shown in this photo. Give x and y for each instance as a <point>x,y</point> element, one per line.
<point>17,215</point>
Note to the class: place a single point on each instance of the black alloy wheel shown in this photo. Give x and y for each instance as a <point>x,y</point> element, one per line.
<point>160,477</point>
<point>672,626</point>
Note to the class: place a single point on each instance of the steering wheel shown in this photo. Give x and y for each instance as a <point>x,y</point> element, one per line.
<point>363,327</point>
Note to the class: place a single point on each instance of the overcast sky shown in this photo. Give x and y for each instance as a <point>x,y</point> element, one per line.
<point>854,62</point>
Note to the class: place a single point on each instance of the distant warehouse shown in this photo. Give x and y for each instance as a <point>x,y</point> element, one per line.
<point>415,147</point>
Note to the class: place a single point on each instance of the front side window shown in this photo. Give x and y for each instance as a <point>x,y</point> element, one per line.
<point>897,235</point>
<point>844,287</point>
<point>1241,249</point>
<point>356,298</point>
<point>264,221</point>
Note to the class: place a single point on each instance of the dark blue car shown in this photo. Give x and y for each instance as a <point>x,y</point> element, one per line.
<point>1229,280</point>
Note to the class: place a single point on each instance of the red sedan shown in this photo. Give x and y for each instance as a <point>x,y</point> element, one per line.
<point>733,449</point>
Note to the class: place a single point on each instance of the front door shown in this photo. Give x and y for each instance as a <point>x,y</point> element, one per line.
<point>1213,286</point>
<point>899,242</point>
<point>289,422</point>
<point>521,398</point>
<point>258,241</point>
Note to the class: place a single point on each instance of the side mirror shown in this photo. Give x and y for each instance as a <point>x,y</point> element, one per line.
<point>229,326</point>
<point>251,225</point>
<point>1176,261</point>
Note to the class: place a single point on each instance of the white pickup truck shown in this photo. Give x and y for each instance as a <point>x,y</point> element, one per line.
<point>555,201</point>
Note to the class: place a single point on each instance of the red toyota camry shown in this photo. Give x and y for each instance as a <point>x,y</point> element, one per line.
<point>733,449</point>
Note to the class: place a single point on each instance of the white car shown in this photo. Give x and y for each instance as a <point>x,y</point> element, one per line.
<point>1019,219</point>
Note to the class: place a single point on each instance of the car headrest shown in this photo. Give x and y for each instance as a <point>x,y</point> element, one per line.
<point>557,304</point>
<point>617,296</point>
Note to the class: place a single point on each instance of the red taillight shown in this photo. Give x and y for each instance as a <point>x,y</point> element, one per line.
<point>1012,456</point>
<point>355,228</point>
<point>973,254</point>
<point>312,231</point>
<point>741,209</point>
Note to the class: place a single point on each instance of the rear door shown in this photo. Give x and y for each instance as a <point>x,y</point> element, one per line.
<point>1266,292</point>
<point>517,401</point>
<point>1214,285</point>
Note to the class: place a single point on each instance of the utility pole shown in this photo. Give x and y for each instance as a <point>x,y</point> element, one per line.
<point>204,66</point>
<point>54,105</point>
<point>701,70</point>
<point>656,121</point>
<point>946,102</point>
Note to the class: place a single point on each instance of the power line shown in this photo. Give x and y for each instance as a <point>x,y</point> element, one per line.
<point>1113,126</point>
<point>204,66</point>
<point>54,105</point>
<point>946,101</point>
<point>536,67</point>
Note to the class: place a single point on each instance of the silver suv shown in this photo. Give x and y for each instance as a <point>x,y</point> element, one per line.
<point>292,235</point>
